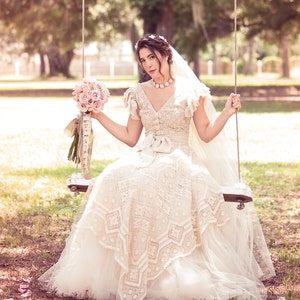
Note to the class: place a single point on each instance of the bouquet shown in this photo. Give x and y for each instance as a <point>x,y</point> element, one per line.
<point>90,96</point>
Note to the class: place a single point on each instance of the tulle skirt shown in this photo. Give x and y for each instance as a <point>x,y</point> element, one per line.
<point>161,231</point>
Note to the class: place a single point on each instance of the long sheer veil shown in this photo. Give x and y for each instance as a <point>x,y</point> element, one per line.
<point>218,156</point>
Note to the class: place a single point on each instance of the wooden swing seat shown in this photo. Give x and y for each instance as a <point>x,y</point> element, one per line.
<point>241,199</point>
<point>77,184</point>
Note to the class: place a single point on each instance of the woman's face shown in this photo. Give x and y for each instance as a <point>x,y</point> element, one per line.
<point>150,63</point>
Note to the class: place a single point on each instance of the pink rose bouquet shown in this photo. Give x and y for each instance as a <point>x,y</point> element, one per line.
<point>90,95</point>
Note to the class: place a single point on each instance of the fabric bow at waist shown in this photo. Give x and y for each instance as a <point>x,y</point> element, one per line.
<point>151,146</point>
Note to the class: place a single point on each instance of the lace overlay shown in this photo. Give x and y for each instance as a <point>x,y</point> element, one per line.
<point>146,212</point>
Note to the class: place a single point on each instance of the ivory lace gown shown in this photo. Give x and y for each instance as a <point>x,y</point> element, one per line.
<point>155,225</point>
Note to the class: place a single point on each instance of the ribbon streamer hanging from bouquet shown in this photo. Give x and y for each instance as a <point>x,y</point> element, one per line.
<point>80,151</point>
<point>85,144</point>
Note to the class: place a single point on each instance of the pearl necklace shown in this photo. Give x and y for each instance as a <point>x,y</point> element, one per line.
<point>162,85</point>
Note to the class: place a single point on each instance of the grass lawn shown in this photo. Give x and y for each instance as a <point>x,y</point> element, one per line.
<point>37,211</point>
<point>263,79</point>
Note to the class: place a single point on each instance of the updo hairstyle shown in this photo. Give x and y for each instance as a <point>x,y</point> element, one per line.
<point>154,42</point>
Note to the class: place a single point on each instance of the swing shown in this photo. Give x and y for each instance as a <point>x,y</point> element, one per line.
<point>81,129</point>
<point>239,193</point>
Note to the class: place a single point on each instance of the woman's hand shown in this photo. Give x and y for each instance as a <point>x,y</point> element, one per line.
<point>232,104</point>
<point>96,115</point>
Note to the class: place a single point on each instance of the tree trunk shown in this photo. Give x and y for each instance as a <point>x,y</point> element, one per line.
<point>42,64</point>
<point>166,23</point>
<point>134,36</point>
<point>149,24</point>
<point>248,66</point>
<point>163,27</point>
<point>59,64</point>
<point>285,45</point>
<point>196,61</point>
<point>215,59</point>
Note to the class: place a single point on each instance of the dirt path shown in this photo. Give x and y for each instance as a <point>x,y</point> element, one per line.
<point>31,133</point>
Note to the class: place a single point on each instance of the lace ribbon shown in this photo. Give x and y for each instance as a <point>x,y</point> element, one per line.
<point>82,148</point>
<point>152,145</point>
<point>85,144</point>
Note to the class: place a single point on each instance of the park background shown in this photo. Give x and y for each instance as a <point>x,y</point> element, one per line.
<point>40,63</point>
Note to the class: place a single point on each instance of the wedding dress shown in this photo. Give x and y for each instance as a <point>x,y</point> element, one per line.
<point>155,224</point>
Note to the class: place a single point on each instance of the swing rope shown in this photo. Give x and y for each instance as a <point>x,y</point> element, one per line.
<point>198,15</point>
<point>241,194</point>
<point>235,89</point>
<point>82,58</point>
<point>83,40</point>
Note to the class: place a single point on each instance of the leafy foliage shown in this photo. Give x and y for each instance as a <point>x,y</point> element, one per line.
<point>270,18</point>
<point>53,27</point>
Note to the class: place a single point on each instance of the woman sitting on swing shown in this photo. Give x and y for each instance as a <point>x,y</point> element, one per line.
<point>155,225</point>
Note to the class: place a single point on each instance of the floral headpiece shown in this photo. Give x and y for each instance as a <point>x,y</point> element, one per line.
<point>154,37</point>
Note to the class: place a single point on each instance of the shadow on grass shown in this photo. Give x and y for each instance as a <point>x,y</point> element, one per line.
<point>61,172</point>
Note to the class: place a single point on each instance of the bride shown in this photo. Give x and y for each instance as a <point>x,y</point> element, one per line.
<point>155,224</point>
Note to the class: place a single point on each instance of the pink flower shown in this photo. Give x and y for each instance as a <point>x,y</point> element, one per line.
<point>90,95</point>
<point>98,106</point>
<point>82,107</point>
<point>96,95</point>
<point>85,88</point>
<point>84,98</point>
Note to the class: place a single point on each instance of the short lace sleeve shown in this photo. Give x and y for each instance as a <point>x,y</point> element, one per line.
<point>130,102</point>
<point>193,99</point>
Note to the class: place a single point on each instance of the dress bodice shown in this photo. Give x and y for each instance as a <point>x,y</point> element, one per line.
<point>170,122</point>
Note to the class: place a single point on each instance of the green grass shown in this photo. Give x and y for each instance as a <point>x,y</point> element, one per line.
<point>264,79</point>
<point>223,80</point>
<point>264,106</point>
<point>34,191</point>
<point>272,179</point>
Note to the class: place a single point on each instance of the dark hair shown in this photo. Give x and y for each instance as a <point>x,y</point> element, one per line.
<point>154,42</point>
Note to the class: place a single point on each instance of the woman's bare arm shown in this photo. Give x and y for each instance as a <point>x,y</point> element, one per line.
<point>128,134</point>
<point>207,129</point>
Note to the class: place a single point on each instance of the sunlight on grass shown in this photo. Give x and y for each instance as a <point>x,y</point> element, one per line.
<point>249,80</point>
<point>272,179</point>
<point>43,190</point>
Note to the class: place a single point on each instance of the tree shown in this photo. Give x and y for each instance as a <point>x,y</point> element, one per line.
<point>40,26</point>
<point>157,16</point>
<point>52,28</point>
<point>195,31</point>
<point>174,19</point>
<point>277,21</point>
